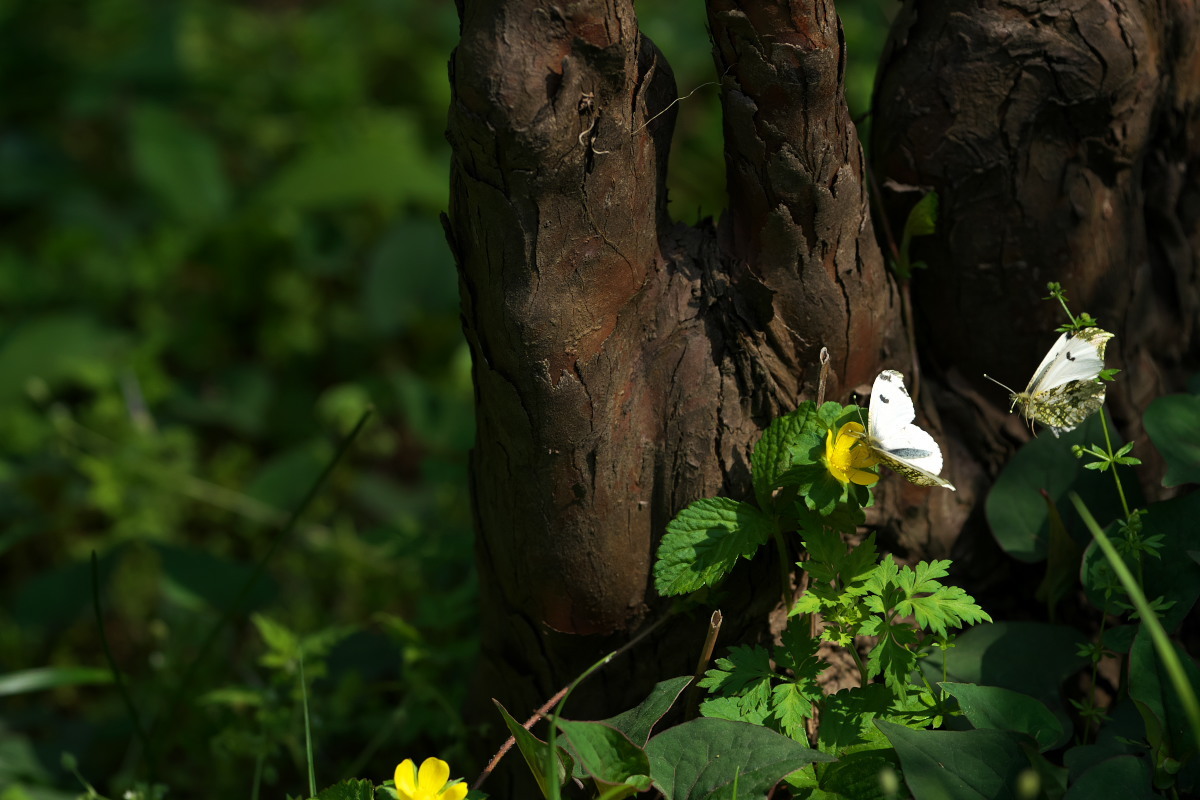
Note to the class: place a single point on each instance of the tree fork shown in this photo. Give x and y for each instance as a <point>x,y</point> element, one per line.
<point>624,365</point>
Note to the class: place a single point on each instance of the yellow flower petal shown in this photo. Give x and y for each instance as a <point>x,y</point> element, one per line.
<point>433,776</point>
<point>406,780</point>
<point>846,455</point>
<point>456,792</point>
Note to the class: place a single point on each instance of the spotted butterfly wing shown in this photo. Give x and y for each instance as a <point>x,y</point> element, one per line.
<point>894,438</point>
<point>1064,391</point>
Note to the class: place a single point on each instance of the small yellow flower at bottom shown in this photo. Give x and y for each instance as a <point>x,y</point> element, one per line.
<point>846,455</point>
<point>429,783</point>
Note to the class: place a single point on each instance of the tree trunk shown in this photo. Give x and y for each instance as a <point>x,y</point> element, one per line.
<point>1063,140</point>
<point>624,365</point>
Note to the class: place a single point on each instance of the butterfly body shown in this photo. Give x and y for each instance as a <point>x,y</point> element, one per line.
<point>1064,390</point>
<point>893,437</point>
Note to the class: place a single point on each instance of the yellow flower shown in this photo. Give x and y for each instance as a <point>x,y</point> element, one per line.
<point>846,455</point>
<point>427,784</point>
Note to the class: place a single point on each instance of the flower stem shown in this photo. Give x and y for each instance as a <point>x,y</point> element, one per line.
<point>1111,457</point>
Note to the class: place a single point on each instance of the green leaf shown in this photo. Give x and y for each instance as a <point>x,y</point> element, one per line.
<point>847,714</point>
<point>791,706</point>
<point>638,722</point>
<point>377,156</point>
<point>178,163</point>
<point>922,220</point>
<point>604,752</point>
<point>993,708</point>
<point>704,542</point>
<point>1062,560</point>
<point>537,753</point>
<point>1127,777</point>
<point>746,672</point>
<point>957,765</point>
<point>1173,423</point>
<point>41,678</point>
<point>1150,687</point>
<point>1174,576</point>
<point>705,758</point>
<point>773,455</point>
<point>1016,509</point>
<point>894,655</point>
<point>1028,657</point>
<point>58,348</point>
<point>349,790</point>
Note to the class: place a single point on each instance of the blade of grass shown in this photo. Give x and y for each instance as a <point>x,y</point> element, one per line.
<point>232,609</point>
<point>1166,651</point>
<point>126,698</point>
<point>312,776</point>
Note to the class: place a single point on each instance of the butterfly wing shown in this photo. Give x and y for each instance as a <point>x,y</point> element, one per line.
<point>1064,390</point>
<point>1074,357</point>
<point>894,438</point>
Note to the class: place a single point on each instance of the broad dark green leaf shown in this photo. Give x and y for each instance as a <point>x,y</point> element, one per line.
<point>537,753</point>
<point>178,163</point>
<point>1016,510</point>
<point>993,708</point>
<point>604,752</point>
<point>705,758</point>
<point>1173,423</point>
<point>1126,777</point>
<point>1151,688</point>
<point>957,765</point>
<point>639,721</point>
<point>1028,657</point>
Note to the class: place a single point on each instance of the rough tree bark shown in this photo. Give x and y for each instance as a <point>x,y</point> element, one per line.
<point>624,365</point>
<point>1063,139</point>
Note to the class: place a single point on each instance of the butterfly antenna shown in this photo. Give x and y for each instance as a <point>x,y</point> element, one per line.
<point>998,383</point>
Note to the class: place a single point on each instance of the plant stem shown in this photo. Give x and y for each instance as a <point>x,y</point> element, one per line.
<point>1111,456</point>
<point>1162,644</point>
<point>785,574</point>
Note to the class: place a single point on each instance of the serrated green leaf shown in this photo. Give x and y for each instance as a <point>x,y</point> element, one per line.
<point>846,715</point>
<point>349,790</point>
<point>704,542</point>
<point>743,672</point>
<point>791,705</point>
<point>773,455</point>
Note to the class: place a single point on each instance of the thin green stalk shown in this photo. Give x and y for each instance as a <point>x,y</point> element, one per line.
<point>259,568</point>
<point>785,575</point>
<point>1063,303</point>
<point>1166,651</point>
<point>258,771</point>
<point>1111,455</point>
<point>308,750</point>
<point>143,738</point>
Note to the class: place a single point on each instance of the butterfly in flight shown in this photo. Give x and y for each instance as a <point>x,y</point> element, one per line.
<point>1064,390</point>
<point>893,437</point>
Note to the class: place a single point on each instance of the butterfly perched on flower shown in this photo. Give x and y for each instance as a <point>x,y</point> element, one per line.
<point>895,440</point>
<point>1064,389</point>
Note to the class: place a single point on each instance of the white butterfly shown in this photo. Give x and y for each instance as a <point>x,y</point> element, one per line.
<point>893,437</point>
<point>1063,391</point>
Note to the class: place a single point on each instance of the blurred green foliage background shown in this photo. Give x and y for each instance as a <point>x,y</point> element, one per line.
<point>219,245</point>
